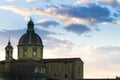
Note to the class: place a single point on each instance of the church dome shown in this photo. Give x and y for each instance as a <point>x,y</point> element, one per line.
<point>30,37</point>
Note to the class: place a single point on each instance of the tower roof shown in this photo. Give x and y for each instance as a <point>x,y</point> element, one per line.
<point>9,45</point>
<point>30,37</point>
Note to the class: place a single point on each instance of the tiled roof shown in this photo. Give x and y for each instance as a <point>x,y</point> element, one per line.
<point>49,60</point>
<point>30,38</point>
<point>60,60</point>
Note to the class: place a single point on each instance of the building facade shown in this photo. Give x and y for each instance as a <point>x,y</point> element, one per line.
<point>30,64</point>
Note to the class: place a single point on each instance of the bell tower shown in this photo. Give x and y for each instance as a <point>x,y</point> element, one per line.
<point>9,52</point>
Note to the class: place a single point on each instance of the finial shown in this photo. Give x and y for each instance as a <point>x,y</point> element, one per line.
<point>30,23</point>
<point>9,38</point>
<point>9,43</point>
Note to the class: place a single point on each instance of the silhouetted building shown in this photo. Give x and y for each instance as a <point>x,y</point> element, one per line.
<point>30,64</point>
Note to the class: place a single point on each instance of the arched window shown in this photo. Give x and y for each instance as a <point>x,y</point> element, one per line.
<point>34,51</point>
<point>25,52</point>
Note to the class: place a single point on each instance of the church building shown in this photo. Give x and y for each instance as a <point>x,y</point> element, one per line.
<point>30,64</point>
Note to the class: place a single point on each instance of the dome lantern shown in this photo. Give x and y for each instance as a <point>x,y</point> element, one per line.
<point>30,26</point>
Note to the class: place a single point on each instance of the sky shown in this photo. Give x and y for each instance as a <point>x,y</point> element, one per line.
<point>86,29</point>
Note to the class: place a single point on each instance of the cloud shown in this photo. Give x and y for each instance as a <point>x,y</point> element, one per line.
<point>56,43</point>
<point>111,53</point>
<point>30,1</point>
<point>92,11</point>
<point>107,54</point>
<point>89,14</point>
<point>78,28</point>
<point>17,10</point>
<point>69,14</point>
<point>52,12</point>
<point>110,2</point>
<point>104,59</point>
<point>47,12</point>
<point>47,23</point>
<point>55,47</point>
<point>48,0</point>
<point>10,0</point>
<point>82,2</point>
